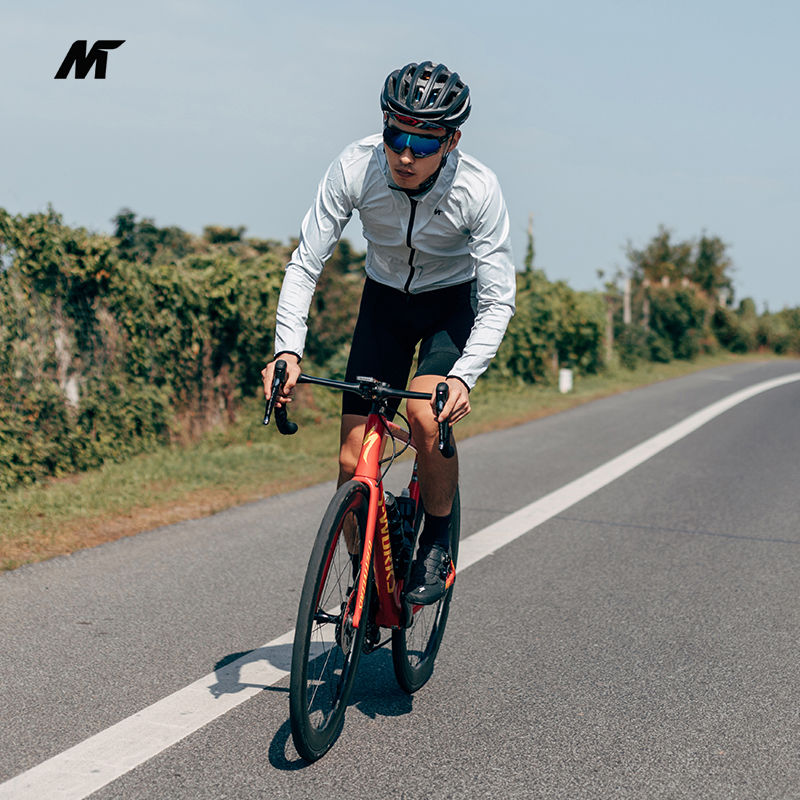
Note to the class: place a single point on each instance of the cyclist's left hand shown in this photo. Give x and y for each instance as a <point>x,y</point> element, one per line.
<point>457,406</point>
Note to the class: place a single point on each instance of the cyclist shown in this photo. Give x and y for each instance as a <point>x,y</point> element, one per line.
<point>439,275</point>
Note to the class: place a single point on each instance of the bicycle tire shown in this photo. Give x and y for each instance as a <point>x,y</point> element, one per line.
<point>414,648</point>
<point>326,651</point>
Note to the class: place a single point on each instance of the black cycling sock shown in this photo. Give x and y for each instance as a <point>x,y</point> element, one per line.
<point>436,531</point>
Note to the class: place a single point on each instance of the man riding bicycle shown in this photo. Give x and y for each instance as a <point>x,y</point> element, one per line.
<point>439,275</point>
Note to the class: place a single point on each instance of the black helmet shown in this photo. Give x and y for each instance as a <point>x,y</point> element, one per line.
<point>428,92</point>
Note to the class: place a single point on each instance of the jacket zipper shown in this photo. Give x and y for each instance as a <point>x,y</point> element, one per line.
<point>408,242</point>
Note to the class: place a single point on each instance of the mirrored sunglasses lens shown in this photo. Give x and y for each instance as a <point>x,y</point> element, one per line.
<point>421,146</point>
<point>395,138</point>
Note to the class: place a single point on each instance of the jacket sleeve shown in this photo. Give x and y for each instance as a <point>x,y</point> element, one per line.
<point>490,245</point>
<point>320,231</point>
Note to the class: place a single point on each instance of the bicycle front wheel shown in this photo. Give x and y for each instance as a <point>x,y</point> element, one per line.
<point>327,647</point>
<point>414,648</point>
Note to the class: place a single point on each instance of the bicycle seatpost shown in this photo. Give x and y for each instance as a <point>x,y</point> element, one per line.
<point>445,445</point>
<point>285,426</point>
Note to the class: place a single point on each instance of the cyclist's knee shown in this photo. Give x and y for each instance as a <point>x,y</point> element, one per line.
<point>423,424</point>
<point>347,464</point>
<point>352,434</point>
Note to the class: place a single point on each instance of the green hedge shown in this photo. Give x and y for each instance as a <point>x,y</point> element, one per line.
<point>554,326</point>
<point>152,350</point>
<point>113,345</point>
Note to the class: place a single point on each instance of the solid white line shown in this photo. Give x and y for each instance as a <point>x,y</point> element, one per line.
<point>493,537</point>
<point>104,757</point>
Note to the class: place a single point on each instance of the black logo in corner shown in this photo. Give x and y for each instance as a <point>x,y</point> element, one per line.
<point>97,57</point>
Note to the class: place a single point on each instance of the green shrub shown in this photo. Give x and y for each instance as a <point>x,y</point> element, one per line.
<point>554,325</point>
<point>733,333</point>
<point>114,345</point>
<point>677,318</point>
<point>632,346</point>
<point>155,348</point>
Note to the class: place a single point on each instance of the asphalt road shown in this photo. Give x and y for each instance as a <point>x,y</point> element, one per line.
<point>641,644</point>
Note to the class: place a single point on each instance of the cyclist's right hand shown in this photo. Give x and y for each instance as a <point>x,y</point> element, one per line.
<point>292,374</point>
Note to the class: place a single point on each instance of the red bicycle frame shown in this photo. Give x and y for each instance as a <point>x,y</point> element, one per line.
<point>391,610</point>
<point>368,472</point>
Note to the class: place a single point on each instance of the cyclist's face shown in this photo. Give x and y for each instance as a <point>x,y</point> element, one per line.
<point>409,172</point>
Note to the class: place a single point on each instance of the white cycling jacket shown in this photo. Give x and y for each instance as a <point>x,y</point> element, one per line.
<point>455,232</point>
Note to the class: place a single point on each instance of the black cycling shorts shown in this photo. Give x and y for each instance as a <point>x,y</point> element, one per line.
<point>391,323</point>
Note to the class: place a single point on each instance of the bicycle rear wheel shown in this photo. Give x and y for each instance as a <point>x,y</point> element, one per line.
<point>327,648</point>
<point>414,648</point>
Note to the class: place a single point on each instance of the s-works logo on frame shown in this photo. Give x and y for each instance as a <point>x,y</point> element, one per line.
<point>97,57</point>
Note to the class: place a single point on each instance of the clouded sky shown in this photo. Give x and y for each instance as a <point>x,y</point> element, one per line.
<point>602,119</point>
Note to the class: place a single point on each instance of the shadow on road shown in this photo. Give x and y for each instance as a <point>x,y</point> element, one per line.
<point>238,671</point>
<point>375,694</point>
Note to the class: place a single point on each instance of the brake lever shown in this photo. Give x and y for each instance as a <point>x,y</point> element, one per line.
<point>285,426</point>
<point>445,445</point>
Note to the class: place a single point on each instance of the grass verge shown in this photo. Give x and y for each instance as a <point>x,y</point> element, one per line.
<point>246,462</point>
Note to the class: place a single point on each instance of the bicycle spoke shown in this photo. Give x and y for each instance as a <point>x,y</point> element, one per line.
<point>414,649</point>
<point>327,648</point>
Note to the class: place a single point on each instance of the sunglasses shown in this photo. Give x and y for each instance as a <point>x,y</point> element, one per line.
<point>421,146</point>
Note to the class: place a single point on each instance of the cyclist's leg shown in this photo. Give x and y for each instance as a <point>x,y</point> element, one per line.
<point>383,348</point>
<point>439,350</point>
<point>350,438</point>
<point>414,648</point>
<point>438,476</point>
<point>441,347</point>
<point>352,435</point>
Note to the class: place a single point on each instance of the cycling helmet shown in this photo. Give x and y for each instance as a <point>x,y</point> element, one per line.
<point>428,92</point>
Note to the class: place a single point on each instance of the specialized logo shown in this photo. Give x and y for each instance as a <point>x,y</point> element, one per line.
<point>97,57</point>
<point>370,440</point>
<point>386,547</point>
<point>362,583</point>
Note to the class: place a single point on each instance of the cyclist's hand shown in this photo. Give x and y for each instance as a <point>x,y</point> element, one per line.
<point>457,406</point>
<point>292,374</point>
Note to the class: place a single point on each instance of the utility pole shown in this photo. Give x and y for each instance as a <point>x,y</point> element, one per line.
<point>626,302</point>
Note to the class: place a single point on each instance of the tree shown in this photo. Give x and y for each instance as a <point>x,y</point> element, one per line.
<point>660,259</point>
<point>142,240</point>
<point>219,234</point>
<point>710,268</point>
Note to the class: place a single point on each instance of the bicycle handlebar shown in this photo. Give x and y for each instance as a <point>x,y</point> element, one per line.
<point>368,388</point>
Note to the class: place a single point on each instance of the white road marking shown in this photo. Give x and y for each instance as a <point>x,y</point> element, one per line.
<point>106,756</point>
<point>493,537</point>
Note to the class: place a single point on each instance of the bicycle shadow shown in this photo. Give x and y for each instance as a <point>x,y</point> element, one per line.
<point>260,668</point>
<point>375,694</point>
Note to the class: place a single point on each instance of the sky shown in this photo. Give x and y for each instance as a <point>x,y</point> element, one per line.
<point>603,120</point>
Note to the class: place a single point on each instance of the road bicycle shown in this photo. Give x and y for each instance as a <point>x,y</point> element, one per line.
<point>353,600</point>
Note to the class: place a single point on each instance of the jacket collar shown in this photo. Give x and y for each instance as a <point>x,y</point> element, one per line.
<point>439,188</point>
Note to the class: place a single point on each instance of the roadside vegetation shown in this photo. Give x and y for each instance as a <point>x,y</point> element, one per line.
<point>129,365</point>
